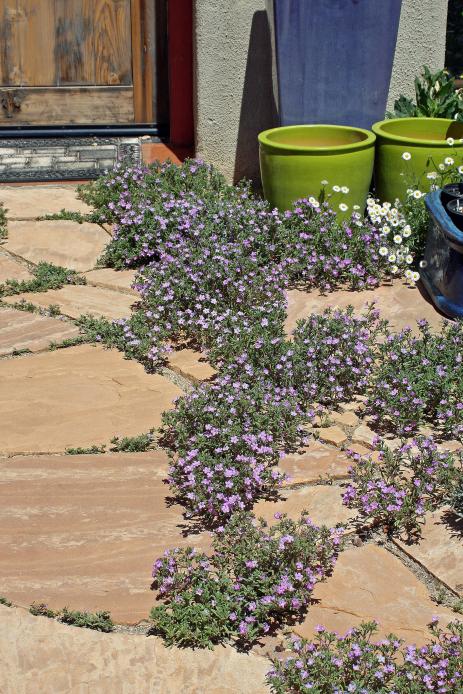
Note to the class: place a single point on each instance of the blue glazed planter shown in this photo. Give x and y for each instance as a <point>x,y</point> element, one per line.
<point>334,59</point>
<point>442,274</point>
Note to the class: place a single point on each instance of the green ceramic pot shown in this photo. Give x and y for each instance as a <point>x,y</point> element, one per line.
<point>425,140</point>
<point>296,160</point>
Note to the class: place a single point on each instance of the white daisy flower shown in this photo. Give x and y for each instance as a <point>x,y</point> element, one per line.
<point>407,156</point>
<point>448,161</point>
<point>397,238</point>
<point>406,231</point>
<point>355,207</point>
<point>344,189</point>
<point>336,189</point>
<point>392,258</point>
<point>431,175</point>
<point>394,269</point>
<point>450,141</point>
<point>324,183</point>
<point>417,194</point>
<point>415,276</point>
<point>460,169</point>
<point>409,259</point>
<point>370,201</point>
<point>383,250</point>
<point>314,201</point>
<point>343,207</point>
<point>408,274</point>
<point>441,167</point>
<point>385,229</point>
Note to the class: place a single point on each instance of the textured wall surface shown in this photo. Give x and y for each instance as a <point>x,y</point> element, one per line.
<point>421,41</point>
<point>235,96</point>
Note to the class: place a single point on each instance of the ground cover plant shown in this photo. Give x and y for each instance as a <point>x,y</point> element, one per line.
<point>3,223</point>
<point>257,578</point>
<point>46,276</point>
<point>334,664</point>
<point>98,621</point>
<point>395,488</point>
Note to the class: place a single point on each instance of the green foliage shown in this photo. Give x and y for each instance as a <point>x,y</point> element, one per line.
<point>42,610</point>
<point>457,500</point>
<point>86,451</point>
<point>435,97</point>
<point>257,578</point>
<point>4,601</point>
<point>46,276</point>
<point>99,621</point>
<point>68,342</point>
<point>133,444</point>
<point>3,223</point>
<point>69,215</point>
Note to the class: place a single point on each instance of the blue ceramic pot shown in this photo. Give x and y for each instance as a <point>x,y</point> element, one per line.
<point>334,59</point>
<point>442,273</point>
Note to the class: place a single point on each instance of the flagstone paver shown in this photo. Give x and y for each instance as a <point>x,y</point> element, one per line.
<point>440,549</point>
<point>190,364</point>
<point>10,269</point>
<point>322,502</point>
<point>77,299</point>
<point>23,330</point>
<point>66,243</point>
<point>78,396</point>
<point>30,202</point>
<point>83,531</point>
<point>315,462</point>
<point>368,583</point>
<point>43,656</point>
<point>401,304</point>
<point>121,280</point>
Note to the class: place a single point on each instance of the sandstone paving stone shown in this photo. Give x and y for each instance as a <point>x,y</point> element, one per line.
<point>334,435</point>
<point>84,530</point>
<point>10,269</point>
<point>440,549</point>
<point>62,242</point>
<point>344,419</point>
<point>364,435</point>
<point>322,502</point>
<point>30,202</point>
<point>120,280</point>
<point>190,364</point>
<point>78,396</point>
<point>401,304</point>
<point>315,461</point>
<point>76,299</point>
<point>369,583</point>
<point>23,330</point>
<point>40,655</point>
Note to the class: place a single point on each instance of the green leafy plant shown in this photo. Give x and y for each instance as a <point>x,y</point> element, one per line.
<point>46,276</point>
<point>4,601</point>
<point>42,610</point>
<point>3,223</point>
<point>133,444</point>
<point>257,578</point>
<point>457,500</point>
<point>99,621</point>
<point>91,450</point>
<point>69,215</point>
<point>435,97</point>
<point>354,662</point>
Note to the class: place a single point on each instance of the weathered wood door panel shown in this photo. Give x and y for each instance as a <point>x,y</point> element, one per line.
<point>74,61</point>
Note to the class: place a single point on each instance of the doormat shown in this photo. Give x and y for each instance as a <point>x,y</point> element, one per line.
<point>64,158</point>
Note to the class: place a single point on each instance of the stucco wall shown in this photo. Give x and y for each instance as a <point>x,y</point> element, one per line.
<point>235,95</point>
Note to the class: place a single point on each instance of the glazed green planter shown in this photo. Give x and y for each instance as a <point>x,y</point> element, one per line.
<point>297,160</point>
<point>425,140</point>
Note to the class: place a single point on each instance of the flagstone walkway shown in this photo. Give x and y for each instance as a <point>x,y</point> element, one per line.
<point>82,531</point>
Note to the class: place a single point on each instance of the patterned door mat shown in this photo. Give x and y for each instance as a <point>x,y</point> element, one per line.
<point>64,158</point>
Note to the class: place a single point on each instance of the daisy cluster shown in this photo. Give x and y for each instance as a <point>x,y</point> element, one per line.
<point>355,663</point>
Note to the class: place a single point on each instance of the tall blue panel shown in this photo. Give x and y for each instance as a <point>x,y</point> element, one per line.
<point>334,59</point>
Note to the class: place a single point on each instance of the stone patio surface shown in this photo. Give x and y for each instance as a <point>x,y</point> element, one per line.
<point>43,656</point>
<point>82,531</point>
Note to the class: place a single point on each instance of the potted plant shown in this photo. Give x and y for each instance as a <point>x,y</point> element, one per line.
<point>299,161</point>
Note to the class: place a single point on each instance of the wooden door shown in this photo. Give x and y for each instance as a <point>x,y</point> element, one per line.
<point>76,61</point>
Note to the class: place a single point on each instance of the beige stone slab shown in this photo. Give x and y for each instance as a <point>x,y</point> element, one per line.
<point>69,244</point>
<point>77,299</point>
<point>30,202</point>
<point>334,435</point>
<point>191,365</point>
<point>314,462</point>
<point>120,280</point>
<point>78,396</point>
<point>369,583</point>
<point>401,304</point>
<point>22,330</point>
<point>42,656</point>
<point>440,548</point>
<point>10,269</point>
<point>83,531</point>
<point>322,502</point>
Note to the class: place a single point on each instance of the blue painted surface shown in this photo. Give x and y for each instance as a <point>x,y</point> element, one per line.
<point>334,59</point>
<point>442,275</point>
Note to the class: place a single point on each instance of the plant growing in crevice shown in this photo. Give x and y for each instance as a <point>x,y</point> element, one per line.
<point>98,621</point>
<point>3,223</point>
<point>42,610</point>
<point>46,276</point>
<point>258,578</point>
<point>133,444</point>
